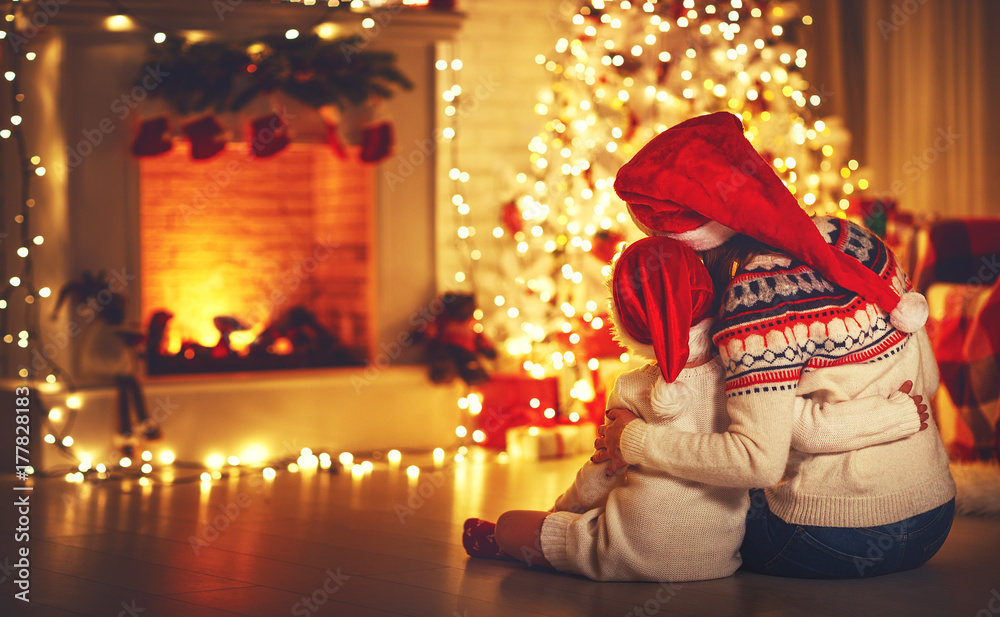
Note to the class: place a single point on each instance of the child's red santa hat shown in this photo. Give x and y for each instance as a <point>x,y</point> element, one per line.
<point>701,181</point>
<point>661,295</point>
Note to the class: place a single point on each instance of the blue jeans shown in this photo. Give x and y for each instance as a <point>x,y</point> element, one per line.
<point>773,546</point>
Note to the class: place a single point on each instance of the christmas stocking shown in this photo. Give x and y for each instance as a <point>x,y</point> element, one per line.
<point>332,119</point>
<point>377,141</point>
<point>268,135</point>
<point>204,136</point>
<point>377,135</point>
<point>151,137</point>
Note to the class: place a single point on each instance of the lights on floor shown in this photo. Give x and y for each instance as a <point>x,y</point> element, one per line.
<point>160,466</point>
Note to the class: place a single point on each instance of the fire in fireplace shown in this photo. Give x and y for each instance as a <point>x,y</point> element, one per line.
<point>251,264</point>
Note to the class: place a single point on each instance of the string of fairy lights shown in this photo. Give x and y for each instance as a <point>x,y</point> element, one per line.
<point>21,285</point>
<point>162,466</point>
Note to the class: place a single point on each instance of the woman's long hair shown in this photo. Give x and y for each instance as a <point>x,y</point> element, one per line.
<point>723,261</point>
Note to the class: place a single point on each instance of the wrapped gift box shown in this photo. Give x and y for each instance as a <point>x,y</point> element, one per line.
<point>507,404</point>
<point>537,442</point>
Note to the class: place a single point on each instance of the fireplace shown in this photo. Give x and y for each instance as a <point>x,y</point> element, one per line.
<point>253,264</point>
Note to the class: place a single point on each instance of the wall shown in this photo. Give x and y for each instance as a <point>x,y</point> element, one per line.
<point>43,130</point>
<point>501,84</point>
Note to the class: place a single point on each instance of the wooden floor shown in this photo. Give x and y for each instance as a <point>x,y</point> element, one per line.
<point>325,544</point>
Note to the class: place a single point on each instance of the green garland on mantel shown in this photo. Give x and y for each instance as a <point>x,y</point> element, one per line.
<point>224,77</point>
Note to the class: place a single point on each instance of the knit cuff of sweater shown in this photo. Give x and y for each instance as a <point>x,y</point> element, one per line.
<point>903,420</point>
<point>554,530</point>
<point>634,442</point>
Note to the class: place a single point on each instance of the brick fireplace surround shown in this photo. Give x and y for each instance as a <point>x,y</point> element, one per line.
<point>92,218</point>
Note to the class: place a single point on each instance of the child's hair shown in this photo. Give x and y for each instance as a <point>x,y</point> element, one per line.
<point>723,261</point>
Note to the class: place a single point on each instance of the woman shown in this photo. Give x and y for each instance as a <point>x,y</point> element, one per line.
<point>811,308</point>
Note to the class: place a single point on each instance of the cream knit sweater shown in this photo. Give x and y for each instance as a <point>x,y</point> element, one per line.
<point>650,526</point>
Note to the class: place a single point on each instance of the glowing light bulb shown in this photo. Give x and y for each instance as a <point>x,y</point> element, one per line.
<point>118,22</point>
<point>254,455</point>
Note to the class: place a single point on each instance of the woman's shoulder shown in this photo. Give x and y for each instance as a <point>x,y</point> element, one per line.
<point>771,285</point>
<point>855,240</point>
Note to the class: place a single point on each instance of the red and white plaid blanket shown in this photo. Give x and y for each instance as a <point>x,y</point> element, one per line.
<point>967,347</point>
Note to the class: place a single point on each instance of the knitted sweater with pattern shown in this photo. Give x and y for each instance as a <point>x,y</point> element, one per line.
<point>786,331</point>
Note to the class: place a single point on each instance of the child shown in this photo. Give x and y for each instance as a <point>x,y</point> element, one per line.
<point>651,526</point>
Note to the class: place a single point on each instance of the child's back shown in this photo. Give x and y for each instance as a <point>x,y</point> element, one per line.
<point>653,526</point>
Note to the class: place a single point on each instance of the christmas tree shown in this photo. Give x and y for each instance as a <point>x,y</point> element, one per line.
<point>625,72</point>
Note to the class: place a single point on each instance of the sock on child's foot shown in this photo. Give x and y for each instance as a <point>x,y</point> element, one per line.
<point>479,540</point>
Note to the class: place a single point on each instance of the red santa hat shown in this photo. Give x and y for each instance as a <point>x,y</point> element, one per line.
<point>701,181</point>
<point>661,295</point>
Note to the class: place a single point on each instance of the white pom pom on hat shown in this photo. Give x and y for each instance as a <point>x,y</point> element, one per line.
<point>669,399</point>
<point>911,313</point>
